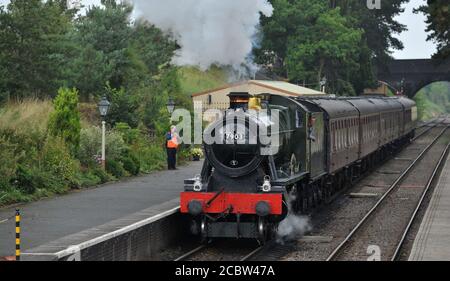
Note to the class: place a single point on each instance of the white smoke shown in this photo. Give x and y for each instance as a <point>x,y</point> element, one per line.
<point>293,226</point>
<point>221,32</point>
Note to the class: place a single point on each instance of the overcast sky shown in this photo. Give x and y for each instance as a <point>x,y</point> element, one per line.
<point>414,40</point>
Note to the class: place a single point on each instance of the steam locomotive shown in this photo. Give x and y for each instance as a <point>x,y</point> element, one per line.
<point>247,188</point>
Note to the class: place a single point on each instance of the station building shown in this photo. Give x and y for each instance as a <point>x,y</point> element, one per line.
<point>218,98</point>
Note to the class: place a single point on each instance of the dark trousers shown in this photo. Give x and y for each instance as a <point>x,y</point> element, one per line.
<point>171,158</point>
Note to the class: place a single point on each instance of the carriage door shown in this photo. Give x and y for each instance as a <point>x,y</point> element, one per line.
<point>316,137</point>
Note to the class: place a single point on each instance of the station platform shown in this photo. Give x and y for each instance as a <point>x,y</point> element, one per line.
<point>53,219</point>
<point>432,242</point>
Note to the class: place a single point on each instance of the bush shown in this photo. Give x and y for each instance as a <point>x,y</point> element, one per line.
<point>65,120</point>
<point>102,175</point>
<point>91,142</point>
<point>26,181</point>
<point>31,179</point>
<point>115,168</point>
<point>124,106</point>
<point>88,179</point>
<point>131,164</point>
<point>129,135</point>
<point>57,160</point>
<point>152,157</point>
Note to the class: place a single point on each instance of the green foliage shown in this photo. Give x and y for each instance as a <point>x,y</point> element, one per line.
<point>65,120</point>
<point>328,47</point>
<point>129,135</point>
<point>102,175</point>
<point>433,100</point>
<point>90,145</point>
<point>317,42</point>
<point>115,168</point>
<point>123,108</point>
<point>94,176</point>
<point>152,157</point>
<point>88,179</point>
<point>380,26</point>
<point>57,160</point>
<point>197,152</point>
<point>438,21</point>
<point>8,163</point>
<point>343,41</point>
<point>32,47</point>
<point>44,46</point>
<point>31,179</point>
<point>111,49</point>
<point>193,80</point>
<point>131,164</point>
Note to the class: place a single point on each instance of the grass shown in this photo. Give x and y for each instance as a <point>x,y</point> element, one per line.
<point>193,80</point>
<point>24,115</point>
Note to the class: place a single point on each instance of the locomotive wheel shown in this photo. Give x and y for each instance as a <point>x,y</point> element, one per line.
<point>263,231</point>
<point>204,239</point>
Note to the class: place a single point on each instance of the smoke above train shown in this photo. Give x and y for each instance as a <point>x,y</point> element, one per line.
<point>209,32</point>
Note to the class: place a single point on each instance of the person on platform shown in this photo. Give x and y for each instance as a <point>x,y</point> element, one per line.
<point>172,143</point>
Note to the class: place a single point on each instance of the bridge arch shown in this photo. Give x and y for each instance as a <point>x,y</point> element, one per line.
<point>410,76</point>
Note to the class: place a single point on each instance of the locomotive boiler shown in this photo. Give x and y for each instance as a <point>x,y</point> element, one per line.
<point>270,155</point>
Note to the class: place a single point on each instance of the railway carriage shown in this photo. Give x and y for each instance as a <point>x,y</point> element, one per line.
<point>247,187</point>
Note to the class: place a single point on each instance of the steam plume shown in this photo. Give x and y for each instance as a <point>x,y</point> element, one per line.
<point>293,226</point>
<point>221,32</point>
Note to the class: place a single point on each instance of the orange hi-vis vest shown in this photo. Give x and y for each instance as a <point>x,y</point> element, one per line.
<point>173,142</point>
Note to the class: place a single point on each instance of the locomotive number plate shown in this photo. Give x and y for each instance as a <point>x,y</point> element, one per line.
<point>234,137</point>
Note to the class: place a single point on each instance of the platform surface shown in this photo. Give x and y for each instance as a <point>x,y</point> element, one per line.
<point>51,219</point>
<point>432,242</point>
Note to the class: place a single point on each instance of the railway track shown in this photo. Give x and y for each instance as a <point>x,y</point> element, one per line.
<point>425,128</point>
<point>374,230</point>
<point>210,252</point>
<point>332,222</point>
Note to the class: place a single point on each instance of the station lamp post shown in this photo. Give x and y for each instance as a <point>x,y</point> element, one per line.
<point>103,107</point>
<point>323,84</point>
<point>170,106</point>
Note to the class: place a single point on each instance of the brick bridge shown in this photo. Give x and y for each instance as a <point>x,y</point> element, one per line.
<point>409,76</point>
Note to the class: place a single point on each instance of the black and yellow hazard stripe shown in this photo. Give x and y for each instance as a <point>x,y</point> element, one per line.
<point>17,235</point>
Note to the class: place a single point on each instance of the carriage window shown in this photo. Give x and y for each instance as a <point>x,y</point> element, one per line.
<point>299,119</point>
<point>333,129</point>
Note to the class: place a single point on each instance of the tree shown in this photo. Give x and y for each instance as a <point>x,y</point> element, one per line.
<point>65,122</point>
<point>124,107</point>
<point>299,41</point>
<point>111,49</point>
<point>379,25</point>
<point>32,47</point>
<point>438,21</point>
<point>313,41</point>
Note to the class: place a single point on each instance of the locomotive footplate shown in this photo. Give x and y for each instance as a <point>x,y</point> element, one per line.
<point>240,203</point>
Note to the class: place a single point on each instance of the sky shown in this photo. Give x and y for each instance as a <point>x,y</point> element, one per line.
<point>414,39</point>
